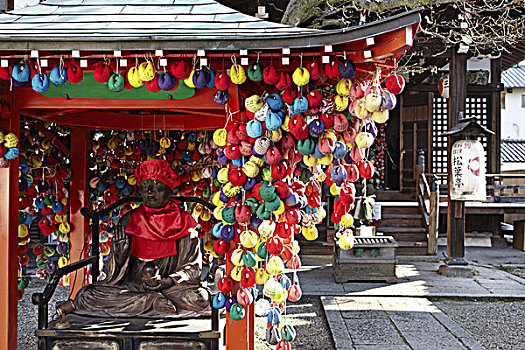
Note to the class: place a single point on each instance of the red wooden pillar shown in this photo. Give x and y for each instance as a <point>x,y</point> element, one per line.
<point>9,241</point>
<point>240,335</point>
<point>79,197</point>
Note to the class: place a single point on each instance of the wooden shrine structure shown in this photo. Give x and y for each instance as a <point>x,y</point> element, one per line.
<point>96,30</point>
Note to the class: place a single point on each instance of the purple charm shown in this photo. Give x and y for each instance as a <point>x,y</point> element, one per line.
<point>249,184</point>
<point>255,222</point>
<point>224,198</point>
<point>388,100</point>
<point>316,128</point>
<point>221,157</point>
<point>51,267</point>
<point>62,248</point>
<point>229,302</point>
<point>371,128</point>
<point>227,232</point>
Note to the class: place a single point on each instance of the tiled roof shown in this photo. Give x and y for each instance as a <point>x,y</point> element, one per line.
<point>125,17</point>
<point>188,24</point>
<point>514,77</point>
<point>513,151</point>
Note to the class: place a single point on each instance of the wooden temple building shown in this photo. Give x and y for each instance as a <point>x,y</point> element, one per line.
<point>412,193</point>
<point>91,31</point>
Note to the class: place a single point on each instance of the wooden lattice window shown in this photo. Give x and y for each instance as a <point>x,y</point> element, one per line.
<point>476,106</point>
<point>479,107</point>
<point>440,125</point>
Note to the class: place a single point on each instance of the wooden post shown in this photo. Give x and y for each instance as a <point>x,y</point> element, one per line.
<point>433,216</point>
<point>494,154</point>
<point>456,209</point>
<point>240,335</point>
<point>419,169</point>
<point>9,5</point>
<point>79,197</point>
<point>9,241</point>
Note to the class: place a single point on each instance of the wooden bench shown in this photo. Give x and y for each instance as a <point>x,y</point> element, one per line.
<point>120,333</point>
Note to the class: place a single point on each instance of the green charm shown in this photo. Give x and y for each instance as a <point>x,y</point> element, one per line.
<point>274,204</point>
<point>253,204</point>
<point>228,215</point>
<point>262,213</point>
<point>41,263</point>
<point>23,282</point>
<point>359,253</point>
<point>287,333</point>
<point>375,252</point>
<point>237,312</point>
<point>262,252</point>
<point>249,258</point>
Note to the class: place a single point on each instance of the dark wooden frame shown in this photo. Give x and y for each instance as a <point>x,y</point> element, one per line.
<point>46,336</point>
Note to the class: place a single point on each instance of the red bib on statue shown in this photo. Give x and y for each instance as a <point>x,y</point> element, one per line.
<point>156,231</point>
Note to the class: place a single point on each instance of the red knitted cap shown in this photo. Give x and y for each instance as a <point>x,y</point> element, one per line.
<point>160,170</point>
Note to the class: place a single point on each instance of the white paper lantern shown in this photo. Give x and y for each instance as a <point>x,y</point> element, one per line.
<point>468,171</point>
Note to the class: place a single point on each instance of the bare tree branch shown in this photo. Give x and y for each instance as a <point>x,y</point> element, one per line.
<point>300,11</point>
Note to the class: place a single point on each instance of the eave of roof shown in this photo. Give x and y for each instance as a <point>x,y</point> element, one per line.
<point>513,151</point>
<point>514,77</point>
<point>99,25</point>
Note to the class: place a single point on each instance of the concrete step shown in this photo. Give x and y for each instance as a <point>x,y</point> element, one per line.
<point>400,220</point>
<point>412,248</point>
<point>408,222</point>
<point>404,234</point>
<point>399,208</point>
<point>400,216</point>
<point>393,230</point>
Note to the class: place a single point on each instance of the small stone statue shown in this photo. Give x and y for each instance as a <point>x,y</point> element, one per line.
<point>154,267</point>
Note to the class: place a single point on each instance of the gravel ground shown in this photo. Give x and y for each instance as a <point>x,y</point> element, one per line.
<point>27,313</point>
<point>513,269</point>
<point>497,325</point>
<point>306,316</point>
<point>308,319</point>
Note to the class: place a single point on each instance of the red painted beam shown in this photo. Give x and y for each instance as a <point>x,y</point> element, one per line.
<point>123,121</point>
<point>79,197</point>
<point>27,98</point>
<point>9,242</point>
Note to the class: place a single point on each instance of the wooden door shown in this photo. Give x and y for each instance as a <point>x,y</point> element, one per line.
<point>415,134</point>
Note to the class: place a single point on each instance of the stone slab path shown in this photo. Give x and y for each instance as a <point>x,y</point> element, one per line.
<point>388,323</point>
<point>415,279</point>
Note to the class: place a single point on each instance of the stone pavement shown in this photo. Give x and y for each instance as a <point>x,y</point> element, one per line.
<point>388,323</point>
<point>376,315</point>
<point>421,279</point>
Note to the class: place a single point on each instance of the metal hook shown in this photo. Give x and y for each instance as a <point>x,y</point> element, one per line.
<point>194,61</point>
<point>234,60</point>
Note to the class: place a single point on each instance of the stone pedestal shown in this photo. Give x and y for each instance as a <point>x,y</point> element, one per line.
<point>371,259</point>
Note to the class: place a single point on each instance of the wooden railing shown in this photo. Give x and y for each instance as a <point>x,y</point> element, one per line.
<point>428,202</point>
<point>497,192</point>
<point>500,193</point>
<point>42,299</point>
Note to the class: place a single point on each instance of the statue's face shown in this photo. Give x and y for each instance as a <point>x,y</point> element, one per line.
<point>155,194</point>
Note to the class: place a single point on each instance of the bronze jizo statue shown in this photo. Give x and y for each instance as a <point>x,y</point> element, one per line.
<point>154,267</point>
